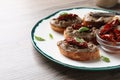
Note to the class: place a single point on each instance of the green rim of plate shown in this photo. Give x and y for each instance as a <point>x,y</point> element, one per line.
<point>59,62</point>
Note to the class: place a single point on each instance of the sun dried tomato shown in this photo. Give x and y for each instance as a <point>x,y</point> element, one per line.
<point>116,32</point>
<point>108,37</point>
<point>110,32</point>
<point>107,27</point>
<point>118,39</point>
<point>67,17</point>
<point>74,42</point>
<point>115,22</point>
<point>76,26</point>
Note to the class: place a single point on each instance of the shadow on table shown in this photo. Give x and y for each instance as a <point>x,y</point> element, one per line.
<point>64,73</point>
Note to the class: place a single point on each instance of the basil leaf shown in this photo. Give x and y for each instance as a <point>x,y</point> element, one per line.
<point>39,38</point>
<point>82,29</point>
<point>106,59</point>
<point>50,35</point>
<point>63,13</point>
<point>79,40</point>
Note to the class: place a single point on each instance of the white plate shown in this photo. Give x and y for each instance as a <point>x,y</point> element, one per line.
<point>49,49</point>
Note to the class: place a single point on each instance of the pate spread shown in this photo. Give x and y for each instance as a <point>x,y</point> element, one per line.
<point>98,17</point>
<point>76,49</point>
<point>88,36</point>
<point>65,20</point>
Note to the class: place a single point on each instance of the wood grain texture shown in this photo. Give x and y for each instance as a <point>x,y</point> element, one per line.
<point>19,60</point>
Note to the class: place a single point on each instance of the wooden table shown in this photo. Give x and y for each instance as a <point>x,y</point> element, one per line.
<point>19,60</point>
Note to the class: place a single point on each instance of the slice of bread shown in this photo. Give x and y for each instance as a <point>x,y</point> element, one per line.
<point>89,36</point>
<point>97,19</point>
<point>57,29</point>
<point>60,23</point>
<point>78,54</point>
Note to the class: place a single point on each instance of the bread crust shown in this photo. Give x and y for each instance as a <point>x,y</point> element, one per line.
<point>57,29</point>
<point>80,55</point>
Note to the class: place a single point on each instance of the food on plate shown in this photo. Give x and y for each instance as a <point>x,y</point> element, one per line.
<point>78,49</point>
<point>77,30</point>
<point>64,20</point>
<point>109,37</point>
<point>111,31</point>
<point>97,19</point>
<point>80,34</point>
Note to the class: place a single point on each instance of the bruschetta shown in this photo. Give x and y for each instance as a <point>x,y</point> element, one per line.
<point>78,49</point>
<point>77,30</point>
<point>97,19</point>
<point>60,23</point>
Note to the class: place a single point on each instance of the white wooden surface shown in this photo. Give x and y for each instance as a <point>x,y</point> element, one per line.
<point>19,60</point>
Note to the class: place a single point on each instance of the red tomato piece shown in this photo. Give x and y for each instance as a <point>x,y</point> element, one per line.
<point>74,42</point>
<point>108,37</point>
<point>107,27</point>
<point>115,22</point>
<point>116,32</point>
<point>118,39</point>
<point>76,26</point>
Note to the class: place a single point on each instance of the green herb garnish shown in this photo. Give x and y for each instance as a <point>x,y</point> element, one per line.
<point>63,13</point>
<point>82,29</point>
<point>50,35</point>
<point>79,40</point>
<point>39,38</point>
<point>106,59</point>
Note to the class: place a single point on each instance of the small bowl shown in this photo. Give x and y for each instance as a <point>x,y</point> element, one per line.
<point>106,3</point>
<point>111,47</point>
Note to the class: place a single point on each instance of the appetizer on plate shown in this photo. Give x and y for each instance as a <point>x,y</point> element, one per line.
<point>109,36</point>
<point>97,19</point>
<point>80,34</point>
<point>111,31</point>
<point>64,20</point>
<point>77,30</point>
<point>78,49</point>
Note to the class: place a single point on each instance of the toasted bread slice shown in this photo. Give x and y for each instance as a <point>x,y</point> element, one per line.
<point>97,19</point>
<point>89,36</point>
<point>57,29</point>
<point>78,54</point>
<point>60,23</point>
